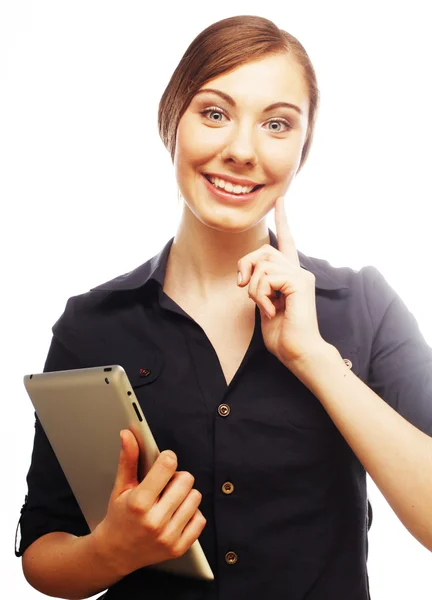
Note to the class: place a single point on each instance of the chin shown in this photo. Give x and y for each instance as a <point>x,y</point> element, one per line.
<point>226,223</point>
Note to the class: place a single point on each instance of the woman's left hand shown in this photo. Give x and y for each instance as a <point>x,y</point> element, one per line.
<point>291,332</point>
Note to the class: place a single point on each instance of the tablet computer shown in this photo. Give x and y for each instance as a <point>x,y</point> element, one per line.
<point>82,412</point>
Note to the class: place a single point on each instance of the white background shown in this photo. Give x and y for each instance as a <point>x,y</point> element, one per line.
<point>88,191</point>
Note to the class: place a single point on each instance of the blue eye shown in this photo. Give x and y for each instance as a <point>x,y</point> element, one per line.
<point>288,125</point>
<point>212,110</point>
<point>216,110</point>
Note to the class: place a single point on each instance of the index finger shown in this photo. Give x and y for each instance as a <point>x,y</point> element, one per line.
<point>285,239</point>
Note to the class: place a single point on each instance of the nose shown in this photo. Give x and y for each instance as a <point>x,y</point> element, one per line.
<point>240,148</point>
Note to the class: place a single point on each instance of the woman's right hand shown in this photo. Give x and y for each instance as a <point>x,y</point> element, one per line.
<point>152,521</point>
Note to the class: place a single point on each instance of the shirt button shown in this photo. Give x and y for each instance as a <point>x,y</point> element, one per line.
<point>224,410</point>
<point>228,487</point>
<point>231,558</point>
<point>348,363</point>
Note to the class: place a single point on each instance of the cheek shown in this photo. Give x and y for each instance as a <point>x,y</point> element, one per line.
<point>184,146</point>
<point>191,142</point>
<point>185,151</point>
<point>282,170</point>
<point>282,157</point>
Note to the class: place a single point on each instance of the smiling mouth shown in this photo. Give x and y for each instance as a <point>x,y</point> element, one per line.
<point>257,187</point>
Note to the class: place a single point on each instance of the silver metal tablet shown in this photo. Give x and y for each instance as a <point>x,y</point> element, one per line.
<point>82,412</point>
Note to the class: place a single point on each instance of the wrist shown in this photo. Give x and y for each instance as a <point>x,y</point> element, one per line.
<point>305,363</point>
<point>106,555</point>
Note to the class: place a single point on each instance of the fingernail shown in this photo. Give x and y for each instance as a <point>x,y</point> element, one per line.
<point>239,278</point>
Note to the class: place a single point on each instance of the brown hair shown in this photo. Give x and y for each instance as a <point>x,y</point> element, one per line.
<point>224,46</point>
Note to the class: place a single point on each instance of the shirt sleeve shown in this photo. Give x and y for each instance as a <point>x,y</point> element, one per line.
<point>401,360</point>
<point>50,504</point>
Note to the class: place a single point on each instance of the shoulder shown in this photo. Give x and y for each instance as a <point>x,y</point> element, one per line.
<point>343,277</point>
<point>91,309</point>
<point>365,289</point>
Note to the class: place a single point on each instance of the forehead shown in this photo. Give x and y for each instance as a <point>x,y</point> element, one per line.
<point>270,79</point>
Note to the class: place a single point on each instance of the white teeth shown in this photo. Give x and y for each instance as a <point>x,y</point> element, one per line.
<point>229,187</point>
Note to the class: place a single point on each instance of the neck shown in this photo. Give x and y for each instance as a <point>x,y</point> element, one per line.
<point>203,261</point>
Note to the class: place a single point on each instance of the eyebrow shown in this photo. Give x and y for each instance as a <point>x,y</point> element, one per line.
<point>231,101</point>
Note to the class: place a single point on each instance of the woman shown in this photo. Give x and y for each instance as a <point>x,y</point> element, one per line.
<point>272,381</point>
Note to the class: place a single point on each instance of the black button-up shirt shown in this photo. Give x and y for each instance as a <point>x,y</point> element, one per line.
<point>284,495</point>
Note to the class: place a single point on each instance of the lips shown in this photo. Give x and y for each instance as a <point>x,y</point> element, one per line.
<point>253,190</point>
<point>231,198</point>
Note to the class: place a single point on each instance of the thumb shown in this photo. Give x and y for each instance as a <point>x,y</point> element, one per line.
<point>127,469</point>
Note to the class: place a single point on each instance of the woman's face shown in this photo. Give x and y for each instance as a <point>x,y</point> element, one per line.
<point>242,140</point>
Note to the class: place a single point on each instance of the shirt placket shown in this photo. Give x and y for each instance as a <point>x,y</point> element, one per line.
<point>220,399</point>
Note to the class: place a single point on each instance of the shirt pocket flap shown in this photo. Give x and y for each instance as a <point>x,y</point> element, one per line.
<point>145,367</point>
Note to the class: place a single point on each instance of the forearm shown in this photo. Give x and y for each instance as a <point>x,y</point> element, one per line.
<point>397,455</point>
<point>65,566</point>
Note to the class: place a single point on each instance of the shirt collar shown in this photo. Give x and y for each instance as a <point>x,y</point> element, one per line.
<point>326,276</point>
